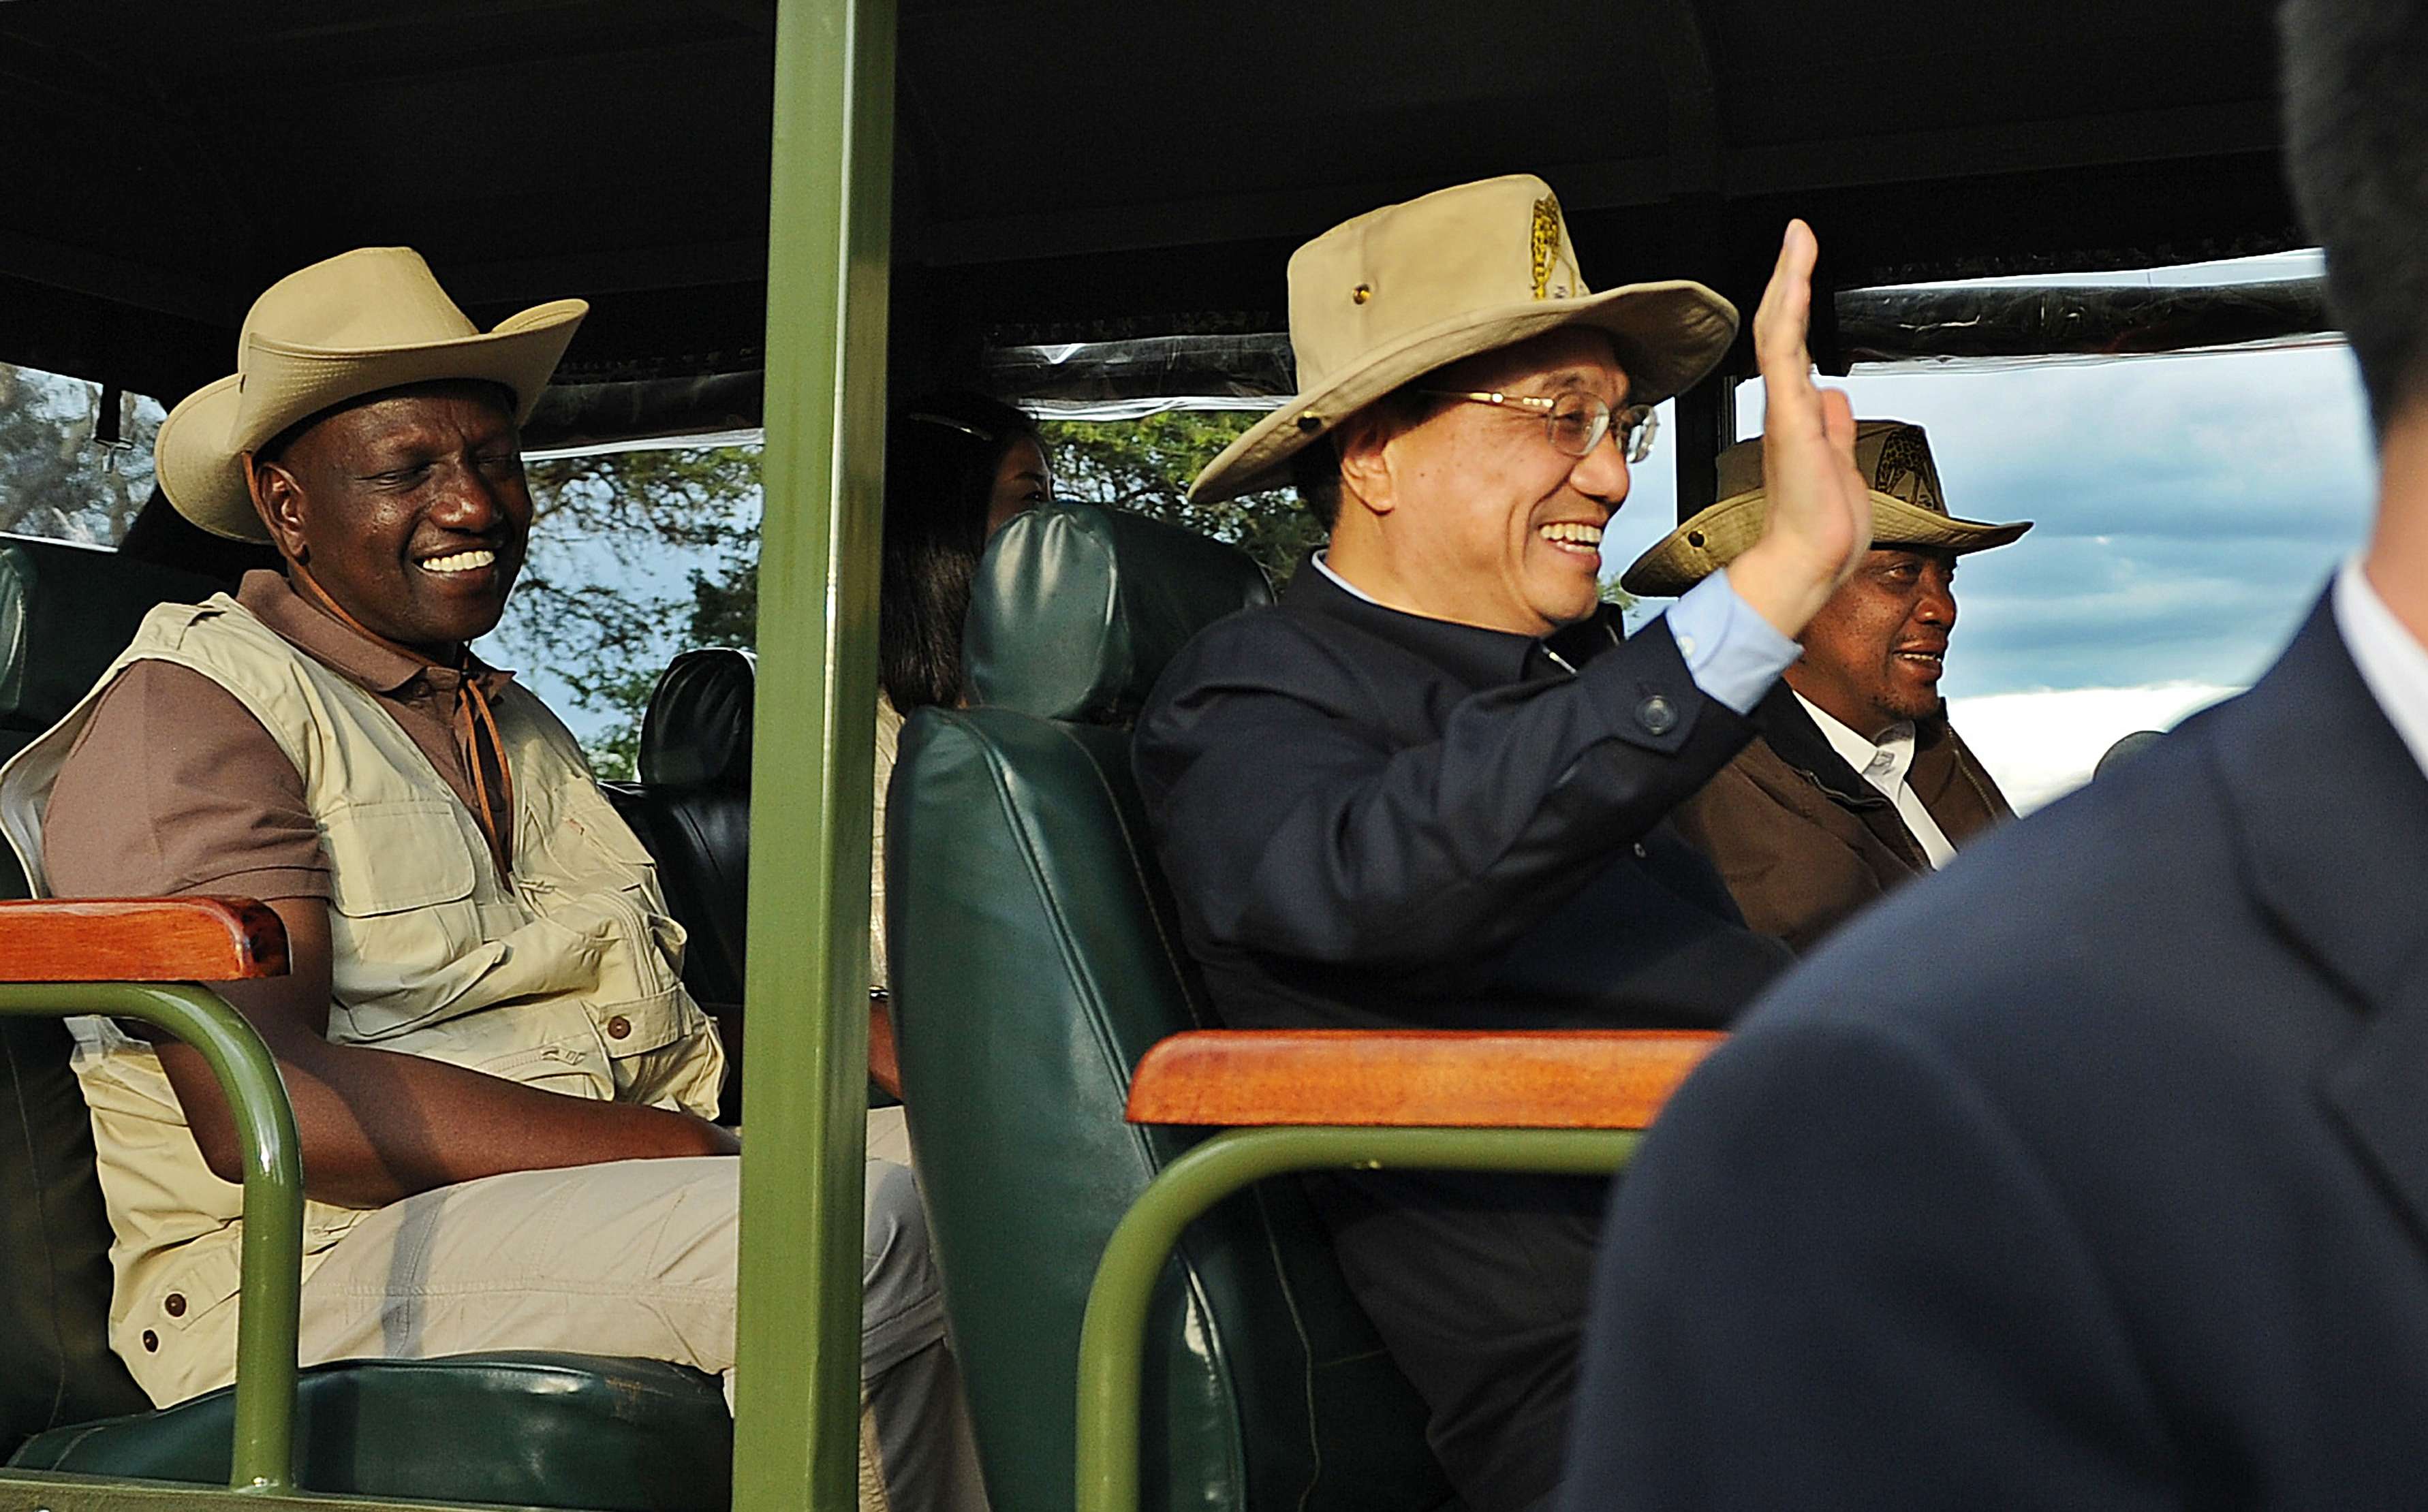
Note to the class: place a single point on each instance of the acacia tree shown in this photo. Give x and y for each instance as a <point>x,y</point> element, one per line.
<point>1146,465</point>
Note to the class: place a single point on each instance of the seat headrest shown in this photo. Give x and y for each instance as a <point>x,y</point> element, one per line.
<point>697,733</point>
<point>1076,608</point>
<point>66,611</point>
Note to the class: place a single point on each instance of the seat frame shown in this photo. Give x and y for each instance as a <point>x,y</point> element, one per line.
<point>1559,1103</point>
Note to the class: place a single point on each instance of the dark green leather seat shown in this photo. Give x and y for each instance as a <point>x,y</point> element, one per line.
<point>1034,961</point>
<point>536,1429</point>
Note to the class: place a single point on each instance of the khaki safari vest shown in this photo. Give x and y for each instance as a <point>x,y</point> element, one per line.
<point>562,977</point>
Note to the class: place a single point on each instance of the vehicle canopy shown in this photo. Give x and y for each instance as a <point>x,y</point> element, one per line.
<point>1078,171</point>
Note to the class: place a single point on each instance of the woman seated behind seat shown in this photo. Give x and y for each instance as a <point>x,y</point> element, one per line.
<point>958,467</point>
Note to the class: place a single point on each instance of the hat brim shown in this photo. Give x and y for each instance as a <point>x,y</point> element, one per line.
<point>1671,333</point>
<point>1717,536</point>
<point>199,455</point>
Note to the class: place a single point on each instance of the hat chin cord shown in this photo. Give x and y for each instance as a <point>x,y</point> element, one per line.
<point>475,725</point>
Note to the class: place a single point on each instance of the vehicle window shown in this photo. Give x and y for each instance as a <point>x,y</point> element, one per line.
<point>2189,509</point>
<point>635,554</point>
<point>76,459</point>
<point>639,553</point>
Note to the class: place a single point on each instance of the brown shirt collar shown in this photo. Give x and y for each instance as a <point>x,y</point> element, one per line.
<point>319,635</point>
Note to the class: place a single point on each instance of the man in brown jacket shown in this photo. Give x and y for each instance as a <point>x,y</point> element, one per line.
<point>1858,781</point>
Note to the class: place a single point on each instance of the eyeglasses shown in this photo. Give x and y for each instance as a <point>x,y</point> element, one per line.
<point>1576,422</point>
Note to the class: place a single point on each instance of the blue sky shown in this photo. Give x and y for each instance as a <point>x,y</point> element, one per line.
<point>2188,509</point>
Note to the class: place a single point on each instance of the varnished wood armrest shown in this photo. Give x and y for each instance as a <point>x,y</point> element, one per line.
<point>140,939</point>
<point>1566,1078</point>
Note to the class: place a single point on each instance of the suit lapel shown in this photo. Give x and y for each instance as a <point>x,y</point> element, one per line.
<point>2331,811</point>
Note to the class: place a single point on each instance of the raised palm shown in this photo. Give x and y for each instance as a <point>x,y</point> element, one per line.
<point>1820,512</point>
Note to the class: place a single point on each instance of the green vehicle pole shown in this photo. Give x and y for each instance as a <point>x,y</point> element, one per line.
<point>805,1070</point>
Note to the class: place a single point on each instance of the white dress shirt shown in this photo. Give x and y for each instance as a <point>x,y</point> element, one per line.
<point>2392,662</point>
<point>1884,765</point>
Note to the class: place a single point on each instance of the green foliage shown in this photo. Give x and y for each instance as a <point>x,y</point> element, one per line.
<point>635,556</point>
<point>1146,465</point>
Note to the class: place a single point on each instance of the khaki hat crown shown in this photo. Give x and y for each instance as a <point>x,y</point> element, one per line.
<point>1908,508</point>
<point>356,324</point>
<point>1395,293</point>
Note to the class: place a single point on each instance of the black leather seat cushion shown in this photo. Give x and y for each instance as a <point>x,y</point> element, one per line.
<point>692,807</point>
<point>65,613</point>
<point>529,1429</point>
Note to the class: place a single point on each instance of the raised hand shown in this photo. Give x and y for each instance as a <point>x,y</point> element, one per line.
<point>1820,512</point>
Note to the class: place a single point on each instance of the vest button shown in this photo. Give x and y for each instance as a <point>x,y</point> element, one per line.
<point>175,1304</point>
<point>1657,715</point>
<point>619,1027</point>
<point>151,1341</point>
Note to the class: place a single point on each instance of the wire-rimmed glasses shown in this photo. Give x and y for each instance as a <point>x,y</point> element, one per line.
<point>1574,423</point>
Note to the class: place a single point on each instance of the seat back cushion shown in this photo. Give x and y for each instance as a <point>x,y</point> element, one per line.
<point>1076,608</point>
<point>1037,961</point>
<point>65,611</point>
<point>693,809</point>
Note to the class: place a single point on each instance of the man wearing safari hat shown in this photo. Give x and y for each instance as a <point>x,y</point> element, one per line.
<point>503,1091</point>
<point>1858,782</point>
<point>1428,789</point>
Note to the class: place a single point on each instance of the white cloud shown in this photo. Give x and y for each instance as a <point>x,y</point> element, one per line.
<point>2042,745</point>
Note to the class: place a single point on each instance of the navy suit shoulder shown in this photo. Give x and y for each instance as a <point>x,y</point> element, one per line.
<point>2074,1174</point>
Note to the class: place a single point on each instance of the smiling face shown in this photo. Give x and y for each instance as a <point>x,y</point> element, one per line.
<point>409,510</point>
<point>1874,654</point>
<point>1471,513</point>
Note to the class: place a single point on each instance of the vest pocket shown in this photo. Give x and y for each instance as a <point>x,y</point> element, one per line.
<point>388,857</point>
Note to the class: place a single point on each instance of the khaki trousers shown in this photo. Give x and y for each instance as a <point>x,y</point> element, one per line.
<point>638,1258</point>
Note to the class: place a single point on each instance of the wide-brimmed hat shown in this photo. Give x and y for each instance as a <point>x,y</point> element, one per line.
<point>1403,290</point>
<point>1908,509</point>
<point>360,323</point>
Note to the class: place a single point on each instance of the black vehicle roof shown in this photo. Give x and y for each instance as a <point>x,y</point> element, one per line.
<point>1083,169</point>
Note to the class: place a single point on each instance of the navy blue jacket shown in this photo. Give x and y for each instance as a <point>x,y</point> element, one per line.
<point>1373,820</point>
<point>2092,1171</point>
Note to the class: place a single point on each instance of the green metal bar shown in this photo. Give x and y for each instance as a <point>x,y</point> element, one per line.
<point>1112,1335</point>
<point>63,1491</point>
<point>272,1256</point>
<point>795,1439</point>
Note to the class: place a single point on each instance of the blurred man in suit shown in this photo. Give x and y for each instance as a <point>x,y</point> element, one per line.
<point>2095,1173</point>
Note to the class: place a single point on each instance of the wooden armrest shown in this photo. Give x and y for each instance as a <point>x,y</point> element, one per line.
<point>140,939</point>
<point>1553,1079</point>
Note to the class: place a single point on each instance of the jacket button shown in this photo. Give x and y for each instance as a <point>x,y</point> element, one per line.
<point>1641,853</point>
<point>175,1304</point>
<point>619,1027</point>
<point>151,1341</point>
<point>1656,714</point>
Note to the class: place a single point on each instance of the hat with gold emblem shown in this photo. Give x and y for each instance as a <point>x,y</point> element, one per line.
<point>1908,509</point>
<point>1398,292</point>
<point>362,321</point>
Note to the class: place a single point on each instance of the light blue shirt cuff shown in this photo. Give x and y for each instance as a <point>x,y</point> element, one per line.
<point>1732,652</point>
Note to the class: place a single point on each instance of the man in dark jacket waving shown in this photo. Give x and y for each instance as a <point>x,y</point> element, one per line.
<point>1427,788</point>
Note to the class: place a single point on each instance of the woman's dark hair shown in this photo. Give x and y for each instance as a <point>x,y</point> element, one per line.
<point>941,457</point>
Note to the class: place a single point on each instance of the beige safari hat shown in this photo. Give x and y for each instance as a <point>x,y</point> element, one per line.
<point>357,323</point>
<point>1403,290</point>
<point>1908,509</point>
